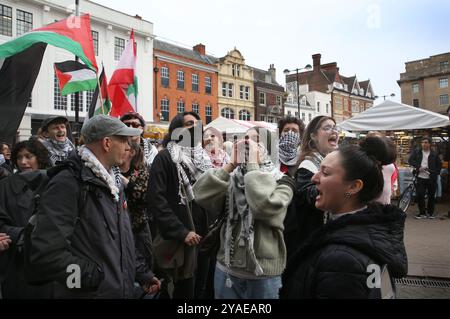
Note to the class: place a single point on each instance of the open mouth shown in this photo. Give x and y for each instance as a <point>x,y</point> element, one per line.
<point>333,140</point>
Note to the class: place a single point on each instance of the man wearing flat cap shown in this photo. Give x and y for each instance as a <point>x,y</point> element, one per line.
<point>56,141</point>
<point>82,225</point>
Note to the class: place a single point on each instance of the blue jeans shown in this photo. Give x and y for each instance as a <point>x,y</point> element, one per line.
<point>264,288</point>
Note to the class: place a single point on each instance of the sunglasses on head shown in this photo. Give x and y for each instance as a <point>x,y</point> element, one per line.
<point>133,124</point>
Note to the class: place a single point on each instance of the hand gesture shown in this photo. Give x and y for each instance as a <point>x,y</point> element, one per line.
<point>153,286</point>
<point>5,241</point>
<point>192,239</point>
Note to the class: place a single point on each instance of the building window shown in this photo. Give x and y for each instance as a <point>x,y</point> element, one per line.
<point>247,93</point>
<point>262,99</point>
<point>80,102</point>
<point>194,82</point>
<point>24,22</point>
<point>443,83</point>
<point>208,113</point>
<point>180,106</point>
<point>30,102</point>
<point>289,113</point>
<point>230,89</point>
<point>180,79</point>
<point>355,107</point>
<point>326,108</point>
<point>310,117</point>
<point>236,70</point>
<point>89,97</point>
<point>244,115</point>
<point>241,92</point>
<point>224,89</point>
<point>279,100</point>
<point>443,64</point>
<point>318,107</point>
<point>416,103</point>
<point>270,119</point>
<point>415,88</point>
<point>165,76</point>
<point>95,41</point>
<point>303,117</point>
<point>262,118</point>
<point>195,108</point>
<point>165,110</point>
<point>443,99</point>
<point>60,102</point>
<point>119,46</point>
<point>296,114</point>
<point>208,85</point>
<point>5,20</point>
<point>227,113</point>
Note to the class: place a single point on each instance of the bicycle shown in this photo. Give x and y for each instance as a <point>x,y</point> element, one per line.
<point>406,197</point>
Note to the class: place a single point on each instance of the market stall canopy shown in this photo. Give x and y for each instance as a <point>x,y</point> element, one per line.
<point>237,126</point>
<point>392,116</point>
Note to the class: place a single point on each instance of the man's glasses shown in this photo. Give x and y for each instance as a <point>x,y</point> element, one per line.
<point>133,124</point>
<point>330,129</point>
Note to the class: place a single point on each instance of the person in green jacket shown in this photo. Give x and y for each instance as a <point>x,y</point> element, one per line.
<point>254,195</point>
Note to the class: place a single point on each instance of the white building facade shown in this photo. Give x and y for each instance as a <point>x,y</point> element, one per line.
<point>111,31</point>
<point>312,103</point>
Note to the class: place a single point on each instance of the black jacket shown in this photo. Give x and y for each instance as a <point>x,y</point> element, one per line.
<point>302,217</point>
<point>170,216</point>
<point>434,162</point>
<point>333,262</point>
<point>16,208</point>
<point>97,237</point>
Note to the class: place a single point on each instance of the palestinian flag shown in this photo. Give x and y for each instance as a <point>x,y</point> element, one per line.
<point>75,77</point>
<point>101,104</point>
<point>123,85</point>
<point>21,59</point>
<point>72,34</point>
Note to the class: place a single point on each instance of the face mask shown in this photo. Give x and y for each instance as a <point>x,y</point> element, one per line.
<point>289,141</point>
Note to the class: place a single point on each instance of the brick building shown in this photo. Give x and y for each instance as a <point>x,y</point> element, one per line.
<point>348,96</point>
<point>185,80</point>
<point>268,96</point>
<point>425,83</point>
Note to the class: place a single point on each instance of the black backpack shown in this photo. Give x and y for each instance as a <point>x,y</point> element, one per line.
<point>38,190</point>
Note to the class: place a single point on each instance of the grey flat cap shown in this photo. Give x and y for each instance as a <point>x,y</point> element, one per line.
<point>101,126</point>
<point>51,119</point>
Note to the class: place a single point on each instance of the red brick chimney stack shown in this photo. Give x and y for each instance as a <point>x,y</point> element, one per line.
<point>200,49</point>
<point>316,61</point>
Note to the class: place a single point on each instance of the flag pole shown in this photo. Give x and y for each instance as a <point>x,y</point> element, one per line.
<point>100,90</point>
<point>77,95</point>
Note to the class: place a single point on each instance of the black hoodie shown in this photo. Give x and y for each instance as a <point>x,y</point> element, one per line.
<point>333,262</point>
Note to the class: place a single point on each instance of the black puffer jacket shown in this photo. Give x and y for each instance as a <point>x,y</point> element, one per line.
<point>302,217</point>
<point>96,237</point>
<point>333,262</point>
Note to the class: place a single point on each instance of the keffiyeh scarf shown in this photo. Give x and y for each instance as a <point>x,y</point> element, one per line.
<point>188,160</point>
<point>58,151</point>
<point>218,157</point>
<point>288,148</point>
<point>150,152</point>
<point>91,161</point>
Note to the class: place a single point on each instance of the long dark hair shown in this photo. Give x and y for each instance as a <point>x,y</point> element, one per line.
<point>34,147</point>
<point>177,122</point>
<point>308,145</point>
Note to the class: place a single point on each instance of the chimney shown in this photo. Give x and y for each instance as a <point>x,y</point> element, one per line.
<point>273,73</point>
<point>316,61</point>
<point>200,49</point>
<point>138,17</point>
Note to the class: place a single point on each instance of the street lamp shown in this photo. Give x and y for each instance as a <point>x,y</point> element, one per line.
<point>384,96</point>
<point>286,72</point>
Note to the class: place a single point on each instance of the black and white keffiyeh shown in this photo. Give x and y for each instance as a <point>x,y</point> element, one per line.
<point>189,160</point>
<point>288,148</point>
<point>58,151</point>
<point>150,152</point>
<point>91,161</point>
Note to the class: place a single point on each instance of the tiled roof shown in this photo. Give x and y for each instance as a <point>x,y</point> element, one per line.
<point>184,52</point>
<point>260,75</point>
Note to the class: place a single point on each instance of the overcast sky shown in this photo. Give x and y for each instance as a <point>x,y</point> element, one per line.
<point>371,39</point>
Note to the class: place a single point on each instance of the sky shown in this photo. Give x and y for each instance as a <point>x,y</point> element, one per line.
<point>371,39</point>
